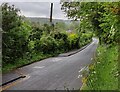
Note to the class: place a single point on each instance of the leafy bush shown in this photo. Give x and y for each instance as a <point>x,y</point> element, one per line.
<point>62,40</point>
<point>47,28</point>
<point>74,41</point>
<point>31,45</point>
<point>85,38</point>
<point>36,33</point>
<point>15,36</point>
<point>46,44</point>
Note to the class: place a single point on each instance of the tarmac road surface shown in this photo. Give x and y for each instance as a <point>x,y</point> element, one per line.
<point>56,73</point>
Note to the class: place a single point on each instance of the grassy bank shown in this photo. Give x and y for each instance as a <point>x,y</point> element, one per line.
<point>104,70</point>
<point>25,61</point>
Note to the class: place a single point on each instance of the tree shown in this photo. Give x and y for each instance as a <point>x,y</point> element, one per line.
<point>96,16</point>
<point>15,34</point>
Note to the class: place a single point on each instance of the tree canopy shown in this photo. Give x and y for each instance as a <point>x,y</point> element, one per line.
<point>101,17</point>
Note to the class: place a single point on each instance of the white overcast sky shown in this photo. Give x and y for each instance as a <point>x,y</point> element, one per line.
<point>38,8</point>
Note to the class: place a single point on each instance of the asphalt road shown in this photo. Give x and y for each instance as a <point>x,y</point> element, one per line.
<point>56,73</point>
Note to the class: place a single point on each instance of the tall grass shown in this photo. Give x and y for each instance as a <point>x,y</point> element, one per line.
<point>104,71</point>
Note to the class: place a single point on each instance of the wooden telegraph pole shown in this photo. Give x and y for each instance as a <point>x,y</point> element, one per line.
<point>51,10</point>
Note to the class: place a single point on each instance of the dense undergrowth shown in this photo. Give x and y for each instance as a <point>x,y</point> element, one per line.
<point>104,70</point>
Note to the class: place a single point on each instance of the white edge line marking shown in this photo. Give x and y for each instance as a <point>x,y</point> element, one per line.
<point>79,76</point>
<point>91,58</point>
<point>81,69</point>
<point>56,59</point>
<point>39,67</point>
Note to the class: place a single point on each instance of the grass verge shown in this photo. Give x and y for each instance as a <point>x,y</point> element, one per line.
<point>26,60</point>
<point>104,70</point>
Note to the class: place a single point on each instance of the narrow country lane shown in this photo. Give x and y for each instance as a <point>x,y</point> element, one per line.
<point>56,73</point>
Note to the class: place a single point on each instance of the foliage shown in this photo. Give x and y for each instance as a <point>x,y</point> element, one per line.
<point>110,23</point>
<point>86,38</point>
<point>36,33</point>
<point>62,40</point>
<point>47,28</point>
<point>74,41</point>
<point>104,71</point>
<point>16,32</point>
<point>60,26</point>
<point>46,44</point>
<point>102,17</point>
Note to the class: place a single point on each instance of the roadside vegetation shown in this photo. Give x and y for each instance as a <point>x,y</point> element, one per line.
<point>24,42</point>
<point>104,70</point>
<point>103,19</point>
